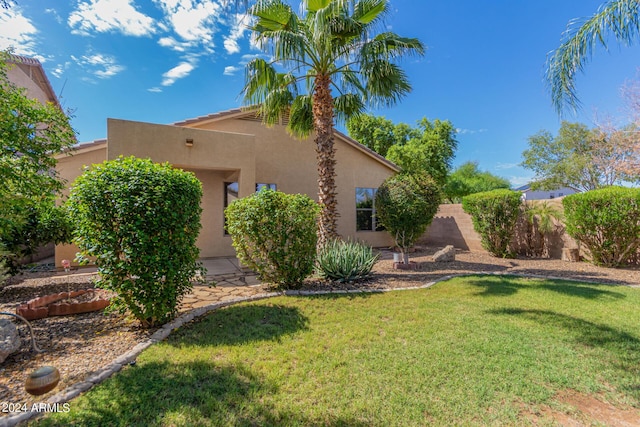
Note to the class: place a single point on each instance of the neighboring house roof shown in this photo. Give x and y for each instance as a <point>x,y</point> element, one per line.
<point>33,68</point>
<point>242,113</point>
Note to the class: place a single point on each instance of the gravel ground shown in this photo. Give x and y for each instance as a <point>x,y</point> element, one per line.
<point>80,345</point>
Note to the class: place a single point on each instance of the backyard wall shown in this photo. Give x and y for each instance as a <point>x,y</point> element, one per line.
<point>452,226</point>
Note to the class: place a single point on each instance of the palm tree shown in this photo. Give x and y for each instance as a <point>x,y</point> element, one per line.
<point>336,67</point>
<point>618,17</point>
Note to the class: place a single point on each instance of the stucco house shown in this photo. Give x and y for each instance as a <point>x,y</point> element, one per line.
<point>529,194</point>
<point>28,73</point>
<point>234,154</point>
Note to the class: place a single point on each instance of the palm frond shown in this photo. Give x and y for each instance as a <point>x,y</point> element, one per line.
<point>368,11</point>
<point>348,105</point>
<point>301,117</point>
<point>272,15</point>
<point>391,46</point>
<point>386,82</point>
<point>260,79</point>
<point>617,17</point>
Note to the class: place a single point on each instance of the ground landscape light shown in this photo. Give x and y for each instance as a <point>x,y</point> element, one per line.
<point>43,379</point>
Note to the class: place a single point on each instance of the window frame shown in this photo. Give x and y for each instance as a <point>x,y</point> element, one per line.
<point>373,219</point>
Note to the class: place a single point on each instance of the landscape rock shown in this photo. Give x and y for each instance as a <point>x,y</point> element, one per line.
<point>9,339</point>
<point>448,254</point>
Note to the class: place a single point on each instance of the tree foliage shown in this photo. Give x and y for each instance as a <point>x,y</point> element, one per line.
<point>430,149</point>
<point>405,206</point>
<point>140,221</point>
<point>274,234</point>
<point>539,220</point>
<point>30,135</point>
<point>469,179</point>
<point>494,215</point>
<point>577,157</point>
<point>337,63</point>
<point>607,222</point>
<point>378,133</point>
<point>42,223</point>
<point>620,18</point>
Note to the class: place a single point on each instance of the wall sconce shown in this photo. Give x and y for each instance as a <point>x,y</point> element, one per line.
<point>189,142</point>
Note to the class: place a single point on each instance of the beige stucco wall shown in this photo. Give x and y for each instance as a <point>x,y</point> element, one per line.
<point>215,157</point>
<point>70,166</point>
<point>19,74</point>
<point>291,165</point>
<point>243,151</point>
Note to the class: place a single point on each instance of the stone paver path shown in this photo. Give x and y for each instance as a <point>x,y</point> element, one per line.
<point>229,286</point>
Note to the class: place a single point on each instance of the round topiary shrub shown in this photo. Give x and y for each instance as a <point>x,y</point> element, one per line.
<point>275,234</point>
<point>607,222</point>
<point>494,215</point>
<point>405,206</point>
<point>140,221</point>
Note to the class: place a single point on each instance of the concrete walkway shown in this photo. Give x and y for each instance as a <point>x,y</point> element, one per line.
<point>231,282</point>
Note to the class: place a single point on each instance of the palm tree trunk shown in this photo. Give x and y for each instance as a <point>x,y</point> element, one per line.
<point>325,154</point>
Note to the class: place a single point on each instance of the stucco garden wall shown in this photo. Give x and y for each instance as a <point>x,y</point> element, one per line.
<point>452,226</point>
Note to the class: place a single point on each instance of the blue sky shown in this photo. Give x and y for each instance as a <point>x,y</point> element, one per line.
<point>163,61</point>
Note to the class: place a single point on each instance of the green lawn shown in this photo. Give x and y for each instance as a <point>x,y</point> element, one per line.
<point>469,351</point>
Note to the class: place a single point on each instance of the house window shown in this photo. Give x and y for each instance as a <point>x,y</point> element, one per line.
<point>560,194</point>
<point>365,210</point>
<point>267,186</point>
<point>230,194</point>
<point>551,196</point>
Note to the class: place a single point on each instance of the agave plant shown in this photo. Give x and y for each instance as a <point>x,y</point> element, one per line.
<point>345,261</point>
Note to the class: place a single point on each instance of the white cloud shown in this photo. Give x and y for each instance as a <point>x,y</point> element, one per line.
<point>154,89</point>
<point>17,31</point>
<point>502,166</point>
<point>231,70</point>
<point>180,71</point>
<point>193,23</point>
<point>518,181</point>
<point>110,15</point>
<point>231,46</point>
<point>470,131</point>
<point>59,69</point>
<point>245,59</point>
<point>102,66</point>
<point>238,27</point>
<point>55,14</point>
<point>173,44</point>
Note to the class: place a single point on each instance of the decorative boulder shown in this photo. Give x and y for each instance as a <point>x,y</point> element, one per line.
<point>447,254</point>
<point>9,339</point>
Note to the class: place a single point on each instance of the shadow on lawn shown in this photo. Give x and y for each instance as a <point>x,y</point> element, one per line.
<point>509,285</point>
<point>240,324</point>
<point>623,348</point>
<point>189,393</point>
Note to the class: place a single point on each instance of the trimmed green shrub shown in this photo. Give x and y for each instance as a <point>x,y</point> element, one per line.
<point>405,206</point>
<point>140,221</point>
<point>494,215</point>
<point>274,234</point>
<point>345,261</point>
<point>4,270</point>
<point>43,223</point>
<point>607,222</point>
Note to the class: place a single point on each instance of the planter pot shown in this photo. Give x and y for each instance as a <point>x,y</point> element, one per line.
<point>408,266</point>
<point>401,258</point>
